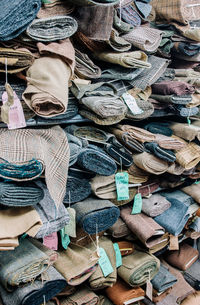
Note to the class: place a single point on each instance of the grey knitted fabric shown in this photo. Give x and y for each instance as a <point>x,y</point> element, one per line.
<point>77,190</point>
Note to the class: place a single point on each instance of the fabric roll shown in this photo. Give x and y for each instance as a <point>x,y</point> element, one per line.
<point>126,247</point>
<point>139,175</point>
<point>163,279</point>
<point>173,99</point>
<point>192,299</point>
<point>159,128</point>
<point>47,145</point>
<point>147,110</point>
<point>169,142</point>
<point>175,169</point>
<point>85,68</point>
<point>77,190</point>
<point>86,263</point>
<point>185,131</point>
<point>53,219</point>
<point>16,16</point>
<point>35,293</point>
<point>81,297</point>
<point>193,191</point>
<point>155,205</point>
<point>150,163</point>
<point>94,2</point>
<point>119,229</point>
<point>103,300</point>
<point>149,233</point>
<point>191,275</point>
<point>52,28</point>
<point>179,195</point>
<point>138,268</point>
<point>184,111</point>
<point>96,215</point>
<point>97,280</point>
<point>189,156</point>
<point>55,8</point>
<point>19,195</point>
<point>175,218</point>
<point>22,265</point>
<point>137,133</point>
<point>164,154</point>
<point>82,238</point>
<point>182,258</point>
<point>174,87</point>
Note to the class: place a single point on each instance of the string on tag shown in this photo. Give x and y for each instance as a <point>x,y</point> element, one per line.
<point>121,164</point>
<point>6,69</point>
<point>44,299</point>
<point>97,240</point>
<point>188,118</point>
<point>69,199</point>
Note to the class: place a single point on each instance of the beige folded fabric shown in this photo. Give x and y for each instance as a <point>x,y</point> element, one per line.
<point>193,299</point>
<point>150,163</point>
<point>193,191</point>
<point>189,156</point>
<point>135,59</point>
<point>17,60</point>
<point>169,142</point>
<point>175,169</point>
<point>139,175</point>
<point>137,133</point>
<point>185,131</point>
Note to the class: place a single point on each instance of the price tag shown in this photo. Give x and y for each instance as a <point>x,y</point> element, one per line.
<point>51,241</point>
<point>65,240</point>
<point>137,204</point>
<point>105,263</point>
<point>149,290</point>
<point>173,242</point>
<point>118,255</point>
<point>131,103</point>
<point>121,180</point>
<point>197,182</point>
<point>70,228</point>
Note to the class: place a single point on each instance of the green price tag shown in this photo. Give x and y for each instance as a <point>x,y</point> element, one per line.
<point>197,182</point>
<point>70,228</point>
<point>65,240</point>
<point>188,121</point>
<point>118,255</point>
<point>137,204</point>
<point>105,263</point>
<point>121,180</point>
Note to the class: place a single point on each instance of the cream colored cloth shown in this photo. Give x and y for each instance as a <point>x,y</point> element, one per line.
<point>193,191</point>
<point>185,131</point>
<point>150,163</point>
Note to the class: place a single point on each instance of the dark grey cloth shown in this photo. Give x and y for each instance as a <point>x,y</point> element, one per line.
<point>163,279</point>
<point>77,190</point>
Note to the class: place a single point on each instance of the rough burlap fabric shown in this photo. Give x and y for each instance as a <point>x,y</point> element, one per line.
<point>189,156</point>
<point>98,280</point>
<point>138,267</point>
<point>150,163</point>
<point>49,146</point>
<point>139,175</point>
<point>82,296</point>
<point>193,191</point>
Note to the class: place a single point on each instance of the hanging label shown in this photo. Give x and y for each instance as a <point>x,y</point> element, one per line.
<point>51,241</point>
<point>105,263</point>
<point>131,103</point>
<point>65,240</point>
<point>70,228</point>
<point>173,242</point>
<point>16,117</point>
<point>137,204</point>
<point>189,121</point>
<point>118,255</point>
<point>121,180</point>
<point>197,182</point>
<point>149,290</point>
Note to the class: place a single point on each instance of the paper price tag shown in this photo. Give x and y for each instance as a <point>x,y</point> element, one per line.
<point>51,241</point>
<point>65,240</point>
<point>137,204</point>
<point>173,242</point>
<point>149,290</point>
<point>131,103</point>
<point>121,180</point>
<point>105,263</point>
<point>70,228</point>
<point>118,255</point>
<point>197,182</point>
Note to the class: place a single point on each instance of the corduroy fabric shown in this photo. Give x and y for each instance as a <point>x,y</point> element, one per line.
<point>137,133</point>
<point>169,142</point>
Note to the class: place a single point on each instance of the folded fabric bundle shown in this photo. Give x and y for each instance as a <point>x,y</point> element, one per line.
<point>192,299</point>
<point>136,133</point>
<point>94,2</point>
<point>82,238</point>
<point>185,48</point>
<point>138,267</point>
<point>52,28</point>
<point>19,195</point>
<point>189,156</point>
<point>139,175</point>
<point>75,147</point>
<point>47,145</point>
<point>55,8</point>
<point>126,247</point>
<point>28,221</point>
<point>149,187</point>
<point>22,265</point>
<point>164,154</point>
<point>119,229</point>
<point>112,71</point>
<point>94,158</point>
<point>155,205</point>
<point>53,219</point>
<point>135,59</point>
<point>129,14</point>
<point>174,87</point>
<point>144,38</point>
<point>182,258</point>
<point>16,16</point>
<point>175,218</point>
<point>77,190</point>
<point>163,279</point>
<point>85,68</point>
<point>150,163</point>
<point>173,99</point>
<point>185,131</point>
<point>83,296</point>
<point>159,128</point>
<point>96,215</point>
<point>86,263</point>
<point>17,60</point>
<point>17,85</point>
<point>169,142</point>
<point>193,191</point>
<point>117,42</point>
<point>144,227</point>
<point>103,300</point>
<point>121,292</point>
<point>191,275</point>
<point>35,293</point>
<point>98,280</point>
<point>179,195</point>
<point>146,107</point>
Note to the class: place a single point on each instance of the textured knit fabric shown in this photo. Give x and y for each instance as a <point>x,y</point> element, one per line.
<point>118,72</point>
<point>94,214</point>
<point>155,205</point>
<point>129,14</point>
<point>164,154</point>
<point>163,279</point>
<point>77,190</point>
<point>185,131</point>
<point>35,293</point>
<point>16,16</point>
<point>169,142</point>
<point>172,87</point>
<point>47,145</point>
<point>189,156</point>
<point>150,163</point>
<point>85,68</point>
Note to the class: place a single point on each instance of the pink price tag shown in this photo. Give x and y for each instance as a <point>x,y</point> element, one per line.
<point>51,241</point>
<point>16,114</point>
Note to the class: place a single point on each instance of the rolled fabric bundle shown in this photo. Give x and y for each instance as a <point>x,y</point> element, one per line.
<point>159,128</point>
<point>98,280</point>
<point>22,265</point>
<point>184,111</point>
<point>138,267</point>
<point>82,238</point>
<point>121,292</point>
<point>169,142</point>
<point>75,147</point>
<point>52,28</point>
<point>126,247</point>
<point>137,133</point>
<point>182,258</point>
<point>164,154</point>
<point>189,156</point>
<point>18,195</point>
<point>173,99</point>
<point>179,195</point>
<point>103,300</point>
<point>17,60</point>
<point>129,14</point>
<point>174,87</point>
<point>16,17</point>
<point>193,191</point>
<point>96,215</point>
<point>94,2</point>
<point>175,218</point>
<point>185,131</point>
<point>149,187</point>
<point>117,42</point>
<point>150,163</point>
<point>149,233</point>
<point>119,229</point>
<point>123,27</point>
<point>17,85</point>
<point>135,59</point>
<point>85,68</point>
<point>55,8</point>
<point>139,175</point>
<point>163,280</point>
<point>155,205</point>
<point>77,190</point>
<point>191,275</point>
<point>193,299</point>
<point>94,158</point>
<point>112,71</point>
<point>33,293</point>
<point>144,38</point>
<point>86,263</point>
<point>83,296</point>
<point>147,110</point>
